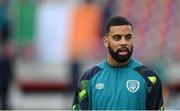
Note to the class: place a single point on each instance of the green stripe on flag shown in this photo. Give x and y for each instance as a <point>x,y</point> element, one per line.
<point>24,18</point>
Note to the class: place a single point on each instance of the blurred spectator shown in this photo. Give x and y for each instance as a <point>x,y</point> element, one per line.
<point>75,72</point>
<point>5,56</point>
<point>109,11</point>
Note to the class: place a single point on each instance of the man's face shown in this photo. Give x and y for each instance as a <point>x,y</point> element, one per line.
<point>119,41</point>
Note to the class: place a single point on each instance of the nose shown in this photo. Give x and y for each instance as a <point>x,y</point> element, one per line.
<point>123,42</point>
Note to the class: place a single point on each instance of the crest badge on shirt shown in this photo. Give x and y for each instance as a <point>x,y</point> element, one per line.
<point>132,85</point>
<point>99,86</point>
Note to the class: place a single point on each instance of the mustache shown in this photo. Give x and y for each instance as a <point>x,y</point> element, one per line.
<point>123,48</point>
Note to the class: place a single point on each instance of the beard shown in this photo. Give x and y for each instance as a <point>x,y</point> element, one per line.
<point>120,58</point>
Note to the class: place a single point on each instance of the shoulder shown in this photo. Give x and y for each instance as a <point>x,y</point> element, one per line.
<point>135,63</point>
<point>150,76</point>
<point>90,73</point>
<point>145,71</point>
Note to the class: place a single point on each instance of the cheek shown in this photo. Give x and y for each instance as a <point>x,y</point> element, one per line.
<point>114,43</point>
<point>130,45</point>
<point>114,46</point>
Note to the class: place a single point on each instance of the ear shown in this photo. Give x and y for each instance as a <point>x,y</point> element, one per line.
<point>105,41</point>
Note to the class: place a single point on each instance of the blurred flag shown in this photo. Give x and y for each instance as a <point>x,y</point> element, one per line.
<point>85,30</point>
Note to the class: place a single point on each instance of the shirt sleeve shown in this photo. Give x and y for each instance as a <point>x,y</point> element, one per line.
<point>81,100</point>
<point>81,97</point>
<point>155,96</point>
<point>154,100</point>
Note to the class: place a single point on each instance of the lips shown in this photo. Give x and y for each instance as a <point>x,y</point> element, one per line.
<point>123,51</point>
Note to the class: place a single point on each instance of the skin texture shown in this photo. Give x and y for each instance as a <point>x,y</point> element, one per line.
<point>117,38</point>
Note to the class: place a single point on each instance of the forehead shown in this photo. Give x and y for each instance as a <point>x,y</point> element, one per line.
<point>121,29</point>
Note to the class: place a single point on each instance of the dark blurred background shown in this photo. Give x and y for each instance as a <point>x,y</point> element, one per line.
<point>45,45</point>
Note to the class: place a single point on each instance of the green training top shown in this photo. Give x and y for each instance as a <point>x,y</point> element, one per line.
<point>129,87</point>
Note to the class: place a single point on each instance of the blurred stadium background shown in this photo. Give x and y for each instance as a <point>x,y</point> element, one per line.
<point>55,41</point>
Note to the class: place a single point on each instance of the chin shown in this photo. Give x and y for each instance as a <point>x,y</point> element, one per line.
<point>123,59</point>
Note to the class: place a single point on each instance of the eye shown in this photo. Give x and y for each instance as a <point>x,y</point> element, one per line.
<point>117,37</point>
<point>128,37</point>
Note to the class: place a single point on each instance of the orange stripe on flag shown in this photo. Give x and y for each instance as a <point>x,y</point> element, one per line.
<point>85,29</point>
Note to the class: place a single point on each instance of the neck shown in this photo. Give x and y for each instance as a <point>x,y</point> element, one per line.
<point>113,62</point>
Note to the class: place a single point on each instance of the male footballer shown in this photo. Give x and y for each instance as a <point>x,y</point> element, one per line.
<point>120,82</point>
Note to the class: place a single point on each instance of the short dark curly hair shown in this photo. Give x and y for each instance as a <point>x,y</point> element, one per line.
<point>115,21</point>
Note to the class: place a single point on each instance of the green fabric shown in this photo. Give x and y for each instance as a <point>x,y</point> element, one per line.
<point>149,89</point>
<point>83,92</point>
<point>105,87</point>
<point>112,88</point>
<point>84,84</point>
<point>152,79</point>
<point>24,18</point>
<point>76,107</point>
<point>82,95</point>
<point>162,108</point>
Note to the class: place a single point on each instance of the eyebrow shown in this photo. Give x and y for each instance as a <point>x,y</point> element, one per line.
<point>122,35</point>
